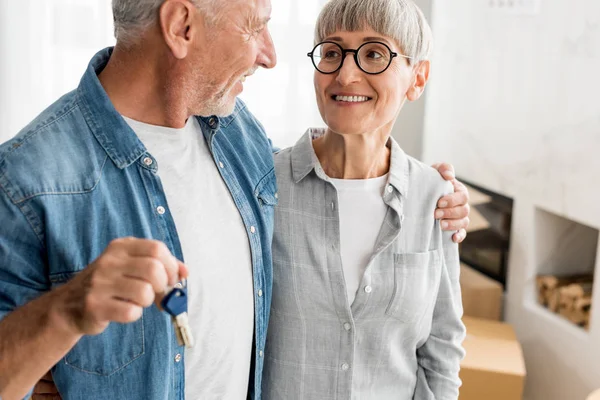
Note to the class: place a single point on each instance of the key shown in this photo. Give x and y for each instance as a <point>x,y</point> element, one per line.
<point>175,304</point>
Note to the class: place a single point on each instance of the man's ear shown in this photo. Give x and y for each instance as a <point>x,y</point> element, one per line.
<point>421,78</point>
<point>179,21</point>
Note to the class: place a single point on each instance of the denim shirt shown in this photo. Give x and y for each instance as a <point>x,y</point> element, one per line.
<point>78,177</point>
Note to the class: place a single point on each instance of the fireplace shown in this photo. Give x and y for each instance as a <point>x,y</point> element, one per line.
<point>486,246</point>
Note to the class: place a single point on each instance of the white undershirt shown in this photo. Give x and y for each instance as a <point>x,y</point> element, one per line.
<point>362,212</point>
<point>216,251</point>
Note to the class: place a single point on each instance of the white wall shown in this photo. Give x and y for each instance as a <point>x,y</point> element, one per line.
<point>45,47</point>
<point>514,105</point>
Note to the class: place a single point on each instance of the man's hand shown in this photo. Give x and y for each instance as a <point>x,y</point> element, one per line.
<point>129,276</point>
<point>45,389</point>
<point>453,209</point>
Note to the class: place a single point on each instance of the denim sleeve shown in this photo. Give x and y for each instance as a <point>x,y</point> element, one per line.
<point>439,358</point>
<point>22,267</point>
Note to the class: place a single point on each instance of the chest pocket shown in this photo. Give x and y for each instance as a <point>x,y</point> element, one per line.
<point>416,279</point>
<point>104,354</point>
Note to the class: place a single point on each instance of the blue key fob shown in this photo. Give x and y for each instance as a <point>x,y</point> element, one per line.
<point>175,302</point>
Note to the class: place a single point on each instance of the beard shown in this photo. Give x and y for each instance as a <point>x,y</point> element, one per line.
<point>221,104</point>
<point>210,99</point>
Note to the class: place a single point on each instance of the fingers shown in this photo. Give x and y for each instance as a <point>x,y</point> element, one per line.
<point>138,292</point>
<point>183,270</point>
<point>45,386</point>
<point>445,170</point>
<point>154,249</point>
<point>460,196</point>
<point>47,377</point>
<point>45,389</point>
<point>120,310</point>
<point>458,212</point>
<point>460,187</point>
<point>454,224</point>
<point>459,236</point>
<point>149,270</point>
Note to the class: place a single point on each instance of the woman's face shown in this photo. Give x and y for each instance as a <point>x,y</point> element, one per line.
<point>380,97</point>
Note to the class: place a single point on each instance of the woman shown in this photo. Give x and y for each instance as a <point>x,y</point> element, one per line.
<point>366,299</point>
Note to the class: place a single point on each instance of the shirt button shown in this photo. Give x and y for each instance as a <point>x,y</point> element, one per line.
<point>148,161</point>
<point>368,289</point>
<point>178,285</point>
<point>221,165</point>
<point>252,229</point>
<point>212,122</point>
<point>345,367</point>
<point>178,358</point>
<point>390,189</point>
<point>160,209</point>
<point>260,353</point>
<point>260,292</point>
<point>276,195</point>
<point>347,326</point>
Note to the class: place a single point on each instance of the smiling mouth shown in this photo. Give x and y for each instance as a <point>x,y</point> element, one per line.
<point>351,99</point>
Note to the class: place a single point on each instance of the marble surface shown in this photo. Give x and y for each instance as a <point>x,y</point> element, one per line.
<point>513,104</point>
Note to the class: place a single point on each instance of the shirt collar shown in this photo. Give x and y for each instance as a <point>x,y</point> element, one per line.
<point>304,160</point>
<point>110,129</point>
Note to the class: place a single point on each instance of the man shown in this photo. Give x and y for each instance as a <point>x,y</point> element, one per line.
<point>103,195</point>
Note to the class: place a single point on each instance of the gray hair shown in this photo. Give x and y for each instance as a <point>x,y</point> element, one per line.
<point>401,20</point>
<point>133,17</point>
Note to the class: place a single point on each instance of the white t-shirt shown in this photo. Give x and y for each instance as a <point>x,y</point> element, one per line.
<point>216,251</point>
<point>362,212</point>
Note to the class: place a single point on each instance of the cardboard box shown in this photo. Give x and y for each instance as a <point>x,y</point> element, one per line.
<point>494,368</point>
<point>481,296</point>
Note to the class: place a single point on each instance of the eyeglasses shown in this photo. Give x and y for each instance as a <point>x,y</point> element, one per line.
<point>371,57</point>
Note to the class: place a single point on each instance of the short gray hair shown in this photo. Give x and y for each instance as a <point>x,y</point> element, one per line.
<point>133,17</point>
<point>401,20</point>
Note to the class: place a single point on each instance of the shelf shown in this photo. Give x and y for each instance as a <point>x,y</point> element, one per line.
<point>565,249</point>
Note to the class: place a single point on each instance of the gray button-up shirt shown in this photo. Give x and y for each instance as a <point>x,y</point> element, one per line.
<point>401,337</point>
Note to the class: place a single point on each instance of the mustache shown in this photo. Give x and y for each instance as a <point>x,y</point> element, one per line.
<point>251,71</point>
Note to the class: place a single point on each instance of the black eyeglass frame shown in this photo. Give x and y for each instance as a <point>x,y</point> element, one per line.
<point>355,54</point>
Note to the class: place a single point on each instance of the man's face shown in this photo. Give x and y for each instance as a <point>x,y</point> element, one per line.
<point>234,48</point>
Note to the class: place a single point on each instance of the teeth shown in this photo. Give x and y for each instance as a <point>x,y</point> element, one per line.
<point>351,99</point>
<point>243,79</point>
